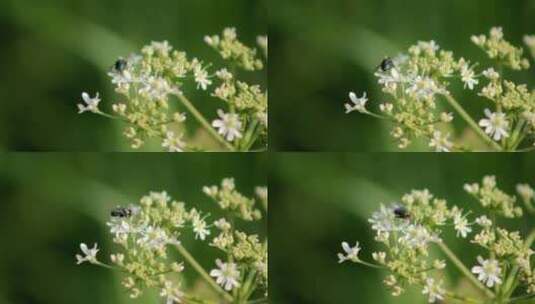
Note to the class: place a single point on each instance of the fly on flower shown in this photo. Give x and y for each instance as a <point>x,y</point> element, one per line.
<point>386,65</point>
<point>401,212</point>
<point>124,211</point>
<point>120,65</point>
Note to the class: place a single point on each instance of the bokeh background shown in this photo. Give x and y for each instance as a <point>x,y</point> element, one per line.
<point>50,202</point>
<point>319,200</point>
<point>320,50</point>
<point>52,51</point>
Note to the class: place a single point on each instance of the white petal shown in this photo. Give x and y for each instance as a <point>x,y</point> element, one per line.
<point>353,97</point>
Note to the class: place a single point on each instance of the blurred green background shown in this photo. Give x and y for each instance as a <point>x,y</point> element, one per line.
<point>319,200</point>
<point>53,201</point>
<point>52,51</point>
<point>320,50</point>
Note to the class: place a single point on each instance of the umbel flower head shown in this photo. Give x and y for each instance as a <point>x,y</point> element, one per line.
<point>148,231</point>
<point>154,85</point>
<point>411,228</point>
<point>418,81</point>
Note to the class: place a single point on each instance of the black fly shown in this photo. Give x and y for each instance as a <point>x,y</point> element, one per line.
<point>122,212</point>
<point>120,65</point>
<point>401,212</point>
<point>386,65</point>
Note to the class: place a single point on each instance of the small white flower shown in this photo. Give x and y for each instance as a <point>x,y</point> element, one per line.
<point>358,104</point>
<point>351,253</point>
<point>230,33</point>
<point>483,221</point>
<point>471,188</point>
<point>461,225</point>
<point>172,293</point>
<point>119,227</point>
<point>90,254</point>
<point>417,236</point>
<point>91,104</point>
<point>227,275</point>
<point>423,88</point>
<point>209,40</point>
<point>526,192</point>
<point>179,117</point>
<point>468,77</point>
<point>491,74</point>
<point>210,190</point>
<point>222,224</point>
<point>440,143</point>
<point>489,272</point>
<point>199,227</point>
<point>155,238</point>
<point>157,88</point>
<point>428,46</point>
<point>446,117</point>
<point>496,125</point>
<point>122,79</point>
<point>390,78</point>
<point>223,74</point>
<point>478,40</point>
<point>262,193</point>
<point>439,264</point>
<point>496,32</point>
<point>379,257</point>
<point>433,290</point>
<point>386,107</point>
<point>201,77</point>
<point>173,143</point>
<point>228,125</point>
<point>163,47</point>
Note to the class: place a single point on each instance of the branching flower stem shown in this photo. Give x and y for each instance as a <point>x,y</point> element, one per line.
<point>191,260</point>
<point>472,123</point>
<point>248,287</point>
<point>457,262</point>
<point>202,120</point>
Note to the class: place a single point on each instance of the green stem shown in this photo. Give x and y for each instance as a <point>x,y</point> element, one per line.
<point>258,301</point>
<point>461,298</point>
<point>247,140</point>
<point>510,284</point>
<point>111,116</point>
<point>521,298</point>
<point>104,265</point>
<point>526,149</point>
<point>191,260</point>
<point>191,108</point>
<point>248,289</point>
<point>377,115</point>
<point>255,135</point>
<point>516,139</point>
<point>472,123</point>
<point>530,239</point>
<point>464,270</point>
<point>370,264</point>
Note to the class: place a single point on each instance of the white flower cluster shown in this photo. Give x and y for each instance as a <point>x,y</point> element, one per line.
<point>146,232</point>
<point>150,79</point>
<point>408,228</point>
<point>418,80</point>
